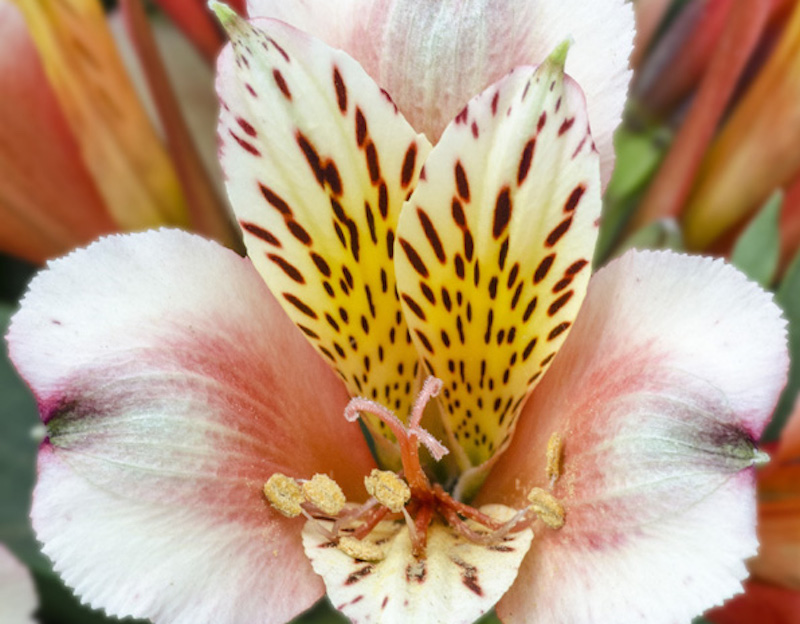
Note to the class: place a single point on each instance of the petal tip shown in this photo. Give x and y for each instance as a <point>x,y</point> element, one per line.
<point>225,14</point>
<point>558,57</point>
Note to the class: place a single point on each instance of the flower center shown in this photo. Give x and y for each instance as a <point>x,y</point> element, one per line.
<point>407,496</point>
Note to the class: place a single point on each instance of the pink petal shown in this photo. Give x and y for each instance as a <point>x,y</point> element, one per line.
<point>671,371</point>
<point>48,202</point>
<point>432,57</point>
<point>173,386</point>
<point>17,593</point>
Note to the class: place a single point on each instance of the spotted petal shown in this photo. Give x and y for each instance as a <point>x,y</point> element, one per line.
<point>494,248</point>
<point>172,388</point>
<point>318,163</point>
<point>456,583</point>
<point>659,394</point>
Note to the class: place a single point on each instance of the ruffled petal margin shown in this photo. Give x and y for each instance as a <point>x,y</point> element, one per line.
<point>172,386</point>
<point>670,373</point>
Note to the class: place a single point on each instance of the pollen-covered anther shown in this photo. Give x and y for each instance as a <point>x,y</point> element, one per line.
<point>547,508</point>
<point>284,494</point>
<point>361,549</point>
<point>555,448</point>
<point>325,494</point>
<point>388,489</point>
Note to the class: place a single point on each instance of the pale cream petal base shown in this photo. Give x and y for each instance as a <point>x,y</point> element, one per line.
<point>457,583</point>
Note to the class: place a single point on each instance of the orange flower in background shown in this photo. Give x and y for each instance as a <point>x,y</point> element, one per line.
<point>79,154</point>
<point>756,151</point>
<point>737,60</point>
<point>773,594</point>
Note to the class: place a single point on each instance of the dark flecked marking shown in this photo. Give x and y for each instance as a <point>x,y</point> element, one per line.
<point>543,268</point>
<point>413,258</point>
<point>287,268</point>
<point>260,232</point>
<point>462,184</point>
<point>502,212</point>
<point>341,90</point>
<point>409,163</point>
<point>525,161</point>
<point>281,82</point>
<point>300,305</point>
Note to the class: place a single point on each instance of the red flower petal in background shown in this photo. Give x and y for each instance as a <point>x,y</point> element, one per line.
<point>48,199</point>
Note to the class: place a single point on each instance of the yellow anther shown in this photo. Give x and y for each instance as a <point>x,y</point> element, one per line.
<point>325,494</point>
<point>555,447</point>
<point>284,494</point>
<point>388,489</point>
<point>361,549</point>
<point>547,508</point>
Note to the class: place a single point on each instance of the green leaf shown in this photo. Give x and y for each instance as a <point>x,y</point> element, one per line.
<point>757,250</point>
<point>663,234</point>
<point>18,420</point>
<point>321,613</point>
<point>788,297</point>
<point>639,153</point>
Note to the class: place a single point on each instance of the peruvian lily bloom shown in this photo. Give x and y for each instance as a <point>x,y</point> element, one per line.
<point>201,463</point>
<point>17,594</point>
<point>79,154</point>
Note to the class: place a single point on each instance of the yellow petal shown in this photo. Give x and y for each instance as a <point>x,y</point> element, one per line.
<point>117,142</point>
<point>318,163</point>
<point>494,247</point>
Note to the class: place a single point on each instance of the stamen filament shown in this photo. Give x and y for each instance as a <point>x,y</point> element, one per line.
<point>327,533</point>
<point>429,390</point>
<point>409,451</point>
<point>465,510</point>
<point>370,522</point>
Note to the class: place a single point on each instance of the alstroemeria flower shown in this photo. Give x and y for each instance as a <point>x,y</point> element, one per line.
<point>187,417</point>
<point>17,594</point>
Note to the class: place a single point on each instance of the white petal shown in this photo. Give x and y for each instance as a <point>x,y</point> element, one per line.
<point>173,387</point>
<point>456,583</point>
<point>664,385</point>
<point>432,57</point>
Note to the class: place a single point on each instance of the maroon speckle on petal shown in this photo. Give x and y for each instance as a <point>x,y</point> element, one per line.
<point>566,125</point>
<point>248,147</point>
<point>341,90</point>
<point>279,80</point>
